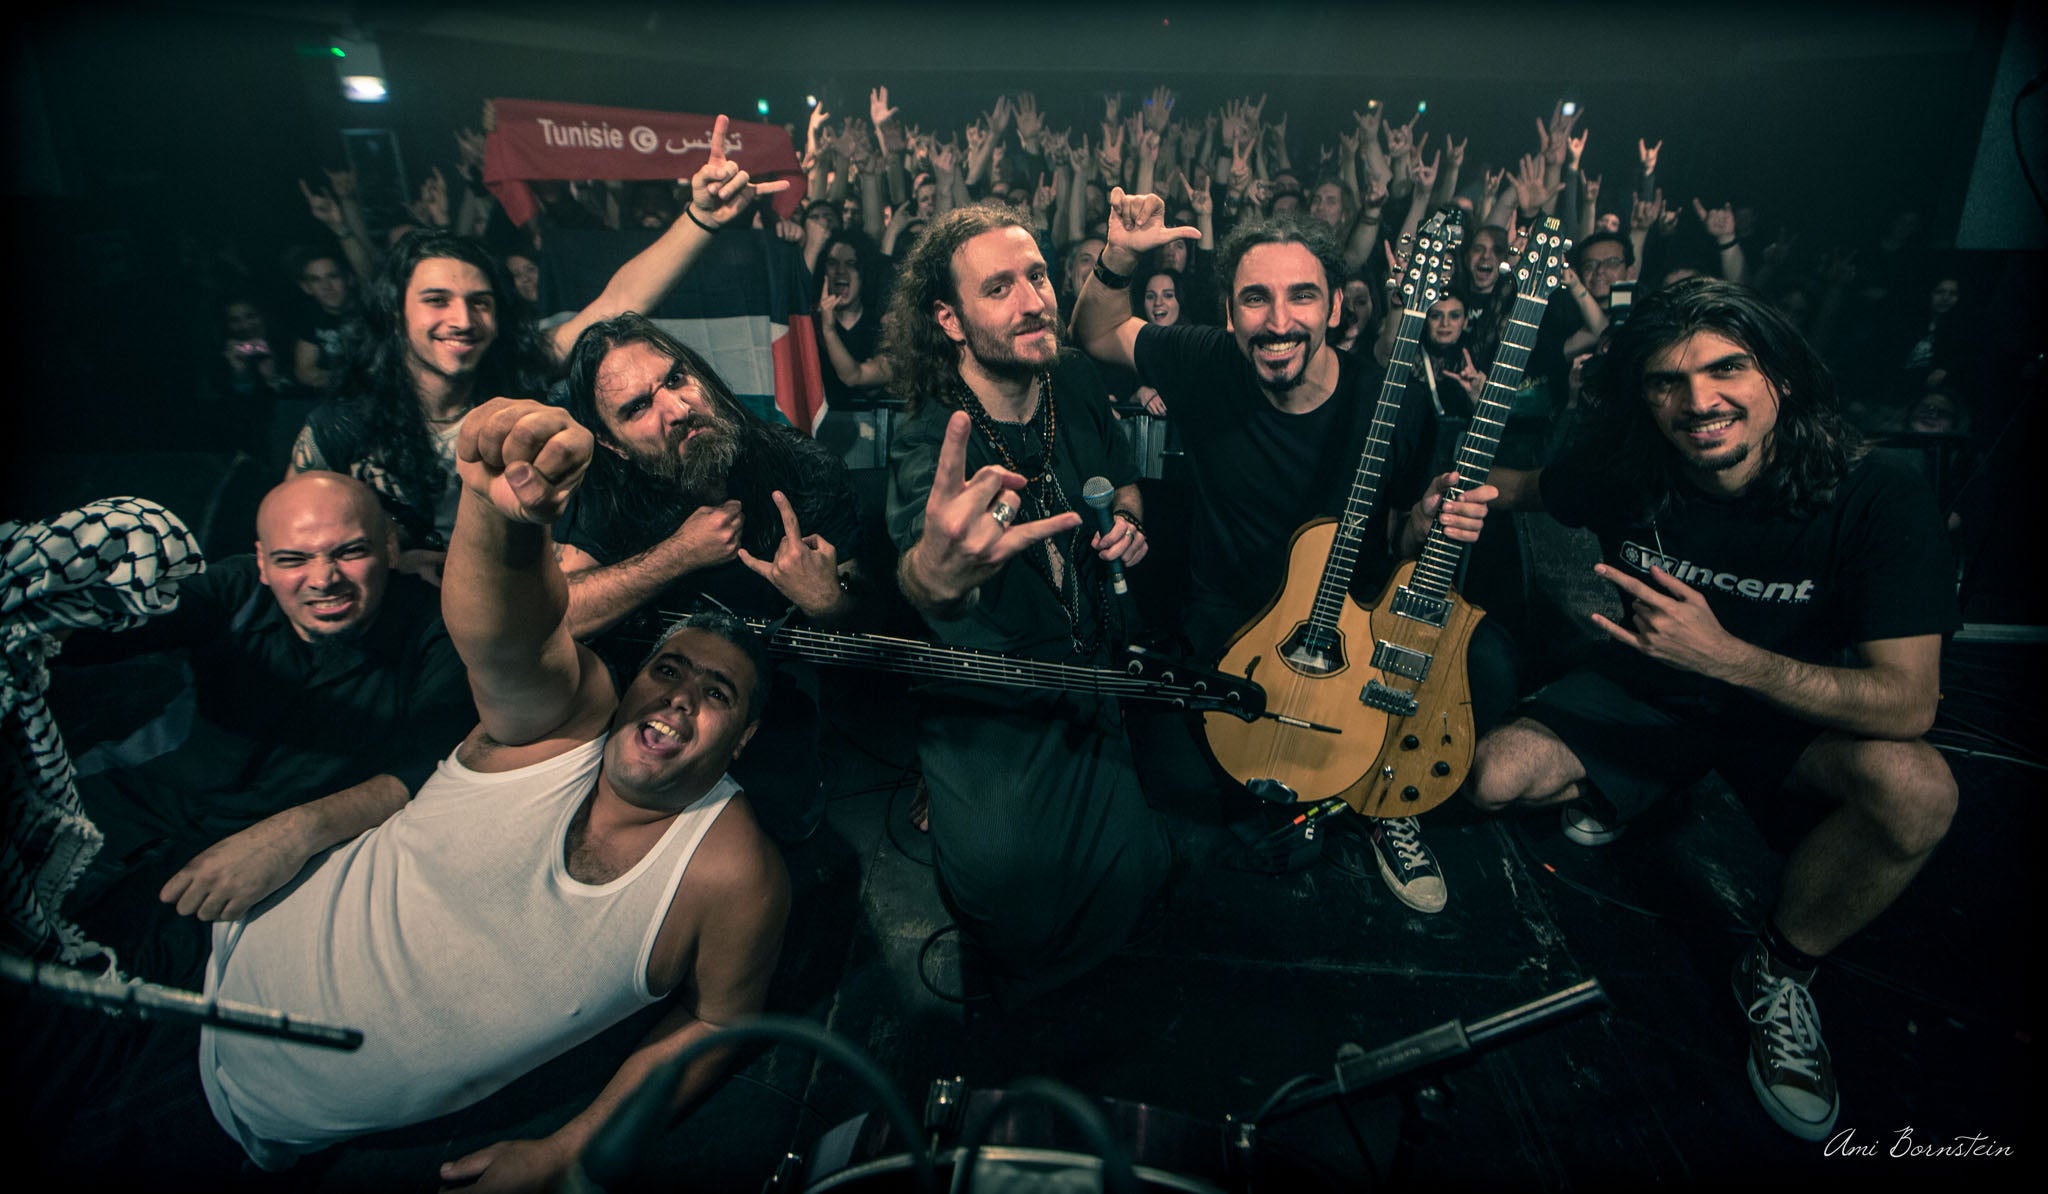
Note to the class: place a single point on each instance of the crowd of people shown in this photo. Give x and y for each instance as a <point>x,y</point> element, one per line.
<point>491,492</point>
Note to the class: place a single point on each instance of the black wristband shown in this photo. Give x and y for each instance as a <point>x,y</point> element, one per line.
<point>1726,245</point>
<point>1110,278</point>
<point>1127,516</point>
<point>692,213</point>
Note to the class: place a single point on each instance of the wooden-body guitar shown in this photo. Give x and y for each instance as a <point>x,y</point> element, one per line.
<point>1421,628</point>
<point>1305,679</point>
<point>1311,647</point>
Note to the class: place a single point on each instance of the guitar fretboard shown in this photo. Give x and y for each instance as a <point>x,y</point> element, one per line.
<point>1436,571</point>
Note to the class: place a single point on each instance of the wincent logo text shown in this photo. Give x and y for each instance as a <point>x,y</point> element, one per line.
<point>1699,576</point>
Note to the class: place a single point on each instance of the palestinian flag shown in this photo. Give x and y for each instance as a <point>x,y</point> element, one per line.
<point>745,304</point>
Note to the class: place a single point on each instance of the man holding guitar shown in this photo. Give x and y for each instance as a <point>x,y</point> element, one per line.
<point>1272,418</point>
<point>1786,594</point>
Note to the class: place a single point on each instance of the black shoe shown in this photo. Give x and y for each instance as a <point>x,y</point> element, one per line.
<point>1404,861</point>
<point>1408,865</point>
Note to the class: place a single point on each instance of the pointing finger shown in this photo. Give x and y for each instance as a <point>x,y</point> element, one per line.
<point>789,527</point>
<point>718,128</point>
<point>951,477</point>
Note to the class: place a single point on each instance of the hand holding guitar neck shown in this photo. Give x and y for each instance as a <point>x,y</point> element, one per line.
<point>968,525</point>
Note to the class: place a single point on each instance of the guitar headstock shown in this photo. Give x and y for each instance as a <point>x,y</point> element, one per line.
<point>1428,277</point>
<point>1541,267</point>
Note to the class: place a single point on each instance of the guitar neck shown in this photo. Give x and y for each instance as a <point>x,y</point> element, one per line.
<point>1437,568</point>
<point>1365,482</point>
<point>911,657</point>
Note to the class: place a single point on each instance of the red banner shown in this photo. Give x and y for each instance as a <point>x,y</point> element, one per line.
<point>532,139</point>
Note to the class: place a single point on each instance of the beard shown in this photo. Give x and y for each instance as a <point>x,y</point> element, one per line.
<point>1285,382</point>
<point>693,467</point>
<point>996,352</point>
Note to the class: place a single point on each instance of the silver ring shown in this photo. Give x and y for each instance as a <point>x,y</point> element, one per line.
<point>1003,513</point>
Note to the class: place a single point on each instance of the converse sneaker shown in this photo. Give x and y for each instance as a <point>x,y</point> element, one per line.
<point>1788,1063</point>
<point>1408,865</point>
<point>1591,821</point>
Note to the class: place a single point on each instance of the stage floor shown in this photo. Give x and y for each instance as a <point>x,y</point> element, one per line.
<point>1248,980</point>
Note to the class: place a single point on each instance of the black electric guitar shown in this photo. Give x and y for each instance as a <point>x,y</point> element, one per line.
<point>1305,647</point>
<point>1142,676</point>
<point>1421,627</point>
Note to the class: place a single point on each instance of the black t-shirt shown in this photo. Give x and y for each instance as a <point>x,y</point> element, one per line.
<point>1017,611</point>
<point>825,505</point>
<point>863,340</point>
<point>1873,564</point>
<point>269,720</point>
<point>336,334</point>
<point>1261,473</point>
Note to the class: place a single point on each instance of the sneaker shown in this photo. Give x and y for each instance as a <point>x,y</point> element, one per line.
<point>1788,1063</point>
<point>1591,821</point>
<point>1408,866</point>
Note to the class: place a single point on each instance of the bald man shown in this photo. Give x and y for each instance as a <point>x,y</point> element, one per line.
<point>318,689</point>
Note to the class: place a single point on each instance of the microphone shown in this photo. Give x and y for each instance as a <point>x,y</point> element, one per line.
<point>1097,493</point>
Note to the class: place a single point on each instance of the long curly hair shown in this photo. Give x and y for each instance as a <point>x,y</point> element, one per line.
<point>925,360</point>
<point>379,381</point>
<point>633,509</point>
<point>1811,448</point>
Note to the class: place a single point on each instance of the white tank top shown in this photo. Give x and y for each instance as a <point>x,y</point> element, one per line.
<point>454,937</point>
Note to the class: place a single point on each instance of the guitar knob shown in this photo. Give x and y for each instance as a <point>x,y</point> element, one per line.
<point>1387,772</point>
<point>1440,768</point>
<point>1411,793</point>
<point>1410,742</point>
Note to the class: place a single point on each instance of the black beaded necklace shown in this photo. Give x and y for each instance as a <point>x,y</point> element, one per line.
<point>1042,497</point>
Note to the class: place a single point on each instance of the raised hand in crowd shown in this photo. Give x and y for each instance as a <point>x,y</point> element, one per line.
<point>1647,154</point>
<point>1159,109</point>
<point>333,213</point>
<point>1533,191</point>
<point>1030,122</point>
<point>431,208</point>
<point>469,146</point>
<point>1112,154</point>
<point>1424,175</point>
<point>879,111</point>
<point>1467,377</point>
<point>721,192</point>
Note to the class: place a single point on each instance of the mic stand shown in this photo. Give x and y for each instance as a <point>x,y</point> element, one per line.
<point>1410,1066</point>
<point>149,1001</point>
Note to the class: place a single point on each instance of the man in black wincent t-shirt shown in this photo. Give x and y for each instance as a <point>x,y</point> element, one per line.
<point>1785,599</point>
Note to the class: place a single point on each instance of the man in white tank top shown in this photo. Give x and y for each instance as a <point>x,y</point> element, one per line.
<point>581,855</point>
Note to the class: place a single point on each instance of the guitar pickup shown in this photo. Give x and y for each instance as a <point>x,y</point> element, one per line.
<point>1400,660</point>
<point>1388,700</point>
<point>1410,604</point>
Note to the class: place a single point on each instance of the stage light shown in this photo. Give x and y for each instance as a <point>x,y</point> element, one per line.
<point>360,67</point>
<point>761,106</point>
